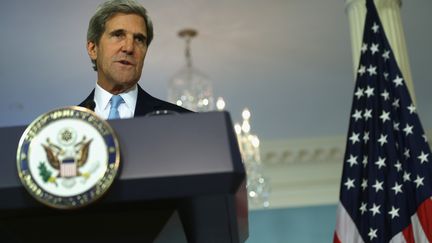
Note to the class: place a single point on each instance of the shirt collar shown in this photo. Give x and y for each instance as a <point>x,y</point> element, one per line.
<point>102,97</point>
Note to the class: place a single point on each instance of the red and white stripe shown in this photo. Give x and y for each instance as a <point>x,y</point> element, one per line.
<point>68,169</point>
<point>419,231</point>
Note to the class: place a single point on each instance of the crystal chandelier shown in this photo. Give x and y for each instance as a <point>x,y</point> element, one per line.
<point>192,89</point>
<point>258,186</point>
<point>189,87</point>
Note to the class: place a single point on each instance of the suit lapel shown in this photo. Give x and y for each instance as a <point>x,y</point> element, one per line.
<point>145,103</point>
<point>87,101</point>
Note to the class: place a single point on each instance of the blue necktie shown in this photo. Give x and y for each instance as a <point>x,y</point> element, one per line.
<point>116,100</point>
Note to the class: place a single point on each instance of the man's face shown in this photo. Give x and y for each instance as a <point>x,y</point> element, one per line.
<point>120,53</point>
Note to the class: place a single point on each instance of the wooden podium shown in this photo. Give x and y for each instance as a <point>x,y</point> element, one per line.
<point>181,180</point>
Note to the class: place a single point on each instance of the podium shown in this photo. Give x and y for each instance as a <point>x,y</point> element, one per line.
<point>181,180</point>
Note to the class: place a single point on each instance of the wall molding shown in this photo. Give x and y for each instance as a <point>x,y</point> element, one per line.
<point>304,171</point>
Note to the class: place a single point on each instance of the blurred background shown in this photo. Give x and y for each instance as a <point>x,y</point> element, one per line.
<point>288,61</point>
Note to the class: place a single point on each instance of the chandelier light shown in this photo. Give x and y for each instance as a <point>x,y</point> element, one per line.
<point>192,89</point>
<point>257,185</point>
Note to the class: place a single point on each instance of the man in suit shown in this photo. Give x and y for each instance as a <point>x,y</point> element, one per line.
<point>118,36</point>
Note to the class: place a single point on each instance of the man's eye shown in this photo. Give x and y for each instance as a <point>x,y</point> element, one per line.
<point>117,34</point>
<point>140,39</point>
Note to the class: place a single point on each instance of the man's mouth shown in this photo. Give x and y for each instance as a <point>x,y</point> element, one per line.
<point>125,62</point>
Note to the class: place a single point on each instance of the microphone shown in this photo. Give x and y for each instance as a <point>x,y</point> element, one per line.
<point>90,104</point>
<point>161,112</point>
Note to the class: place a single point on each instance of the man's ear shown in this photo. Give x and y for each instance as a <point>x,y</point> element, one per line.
<point>91,50</point>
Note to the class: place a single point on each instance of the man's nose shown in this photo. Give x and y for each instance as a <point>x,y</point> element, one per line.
<point>128,45</point>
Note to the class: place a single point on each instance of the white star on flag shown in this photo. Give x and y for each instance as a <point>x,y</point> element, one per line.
<point>380,163</point>
<point>372,233</point>
<point>423,157</point>
<point>364,184</point>
<point>396,126</point>
<point>407,153</point>
<point>395,103</point>
<point>352,160</point>
<point>367,114</point>
<point>411,108</point>
<point>355,138</point>
<point>398,81</point>
<point>349,183</point>
<point>378,186</point>
<point>374,48</point>
<point>369,91</point>
<point>366,137</point>
<point>419,181</point>
<point>406,176</point>
<point>361,70</point>
<point>375,209</point>
<point>386,55</point>
<point>365,161</point>
<point>357,115</point>
<point>383,139</point>
<point>359,93</point>
<point>398,166</point>
<point>408,129</point>
<point>372,70</point>
<point>364,47</point>
<point>363,208</point>
<point>394,212</point>
<point>397,188</point>
<point>375,28</point>
<point>385,95</point>
<point>385,116</point>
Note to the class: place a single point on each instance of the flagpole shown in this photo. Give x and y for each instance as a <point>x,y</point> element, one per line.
<point>389,11</point>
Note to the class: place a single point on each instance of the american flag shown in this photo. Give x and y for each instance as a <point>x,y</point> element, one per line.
<point>386,181</point>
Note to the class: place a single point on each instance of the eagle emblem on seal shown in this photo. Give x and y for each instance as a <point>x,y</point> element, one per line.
<point>65,158</point>
<point>67,161</point>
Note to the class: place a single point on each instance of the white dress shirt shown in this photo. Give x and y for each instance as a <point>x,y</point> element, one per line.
<point>102,99</point>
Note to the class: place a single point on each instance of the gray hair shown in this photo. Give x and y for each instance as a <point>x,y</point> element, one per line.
<point>108,9</point>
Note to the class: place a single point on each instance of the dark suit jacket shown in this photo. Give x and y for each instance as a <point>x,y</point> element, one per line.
<point>145,104</point>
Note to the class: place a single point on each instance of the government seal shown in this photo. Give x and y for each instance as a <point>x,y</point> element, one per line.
<point>68,158</point>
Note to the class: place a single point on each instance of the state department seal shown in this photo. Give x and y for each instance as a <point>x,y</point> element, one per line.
<point>68,158</point>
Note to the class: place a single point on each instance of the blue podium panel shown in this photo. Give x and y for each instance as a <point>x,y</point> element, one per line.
<point>185,162</point>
